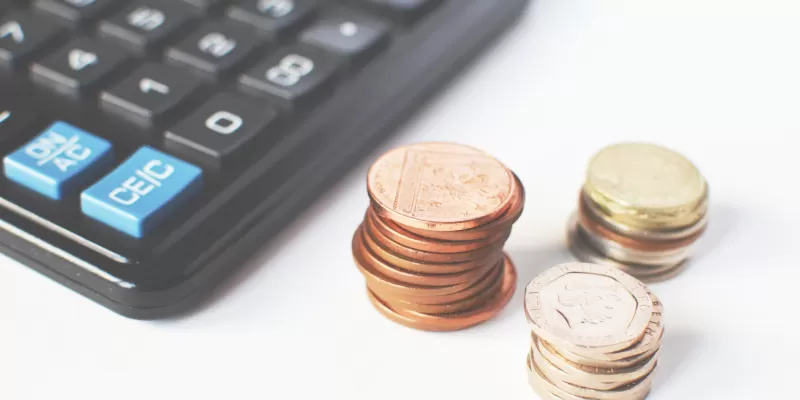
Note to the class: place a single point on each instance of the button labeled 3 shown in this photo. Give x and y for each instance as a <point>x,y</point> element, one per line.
<point>58,161</point>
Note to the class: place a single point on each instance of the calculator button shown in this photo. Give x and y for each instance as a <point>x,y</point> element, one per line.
<point>274,17</point>
<point>404,9</point>
<point>294,77</point>
<point>78,68</point>
<point>220,129</point>
<point>21,35</point>
<point>213,49</point>
<point>14,121</point>
<point>203,6</point>
<point>145,25</point>
<point>75,11</point>
<point>354,36</point>
<point>148,95</point>
<point>60,160</point>
<point>141,192</point>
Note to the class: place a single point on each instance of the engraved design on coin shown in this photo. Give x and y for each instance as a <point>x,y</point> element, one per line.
<point>645,176</point>
<point>441,182</point>
<point>588,306</point>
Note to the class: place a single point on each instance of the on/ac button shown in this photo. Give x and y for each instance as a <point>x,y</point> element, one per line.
<point>142,192</point>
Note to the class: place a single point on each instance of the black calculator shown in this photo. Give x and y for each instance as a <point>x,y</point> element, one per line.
<point>152,146</point>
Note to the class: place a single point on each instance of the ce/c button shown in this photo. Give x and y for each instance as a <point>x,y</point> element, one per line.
<point>141,192</point>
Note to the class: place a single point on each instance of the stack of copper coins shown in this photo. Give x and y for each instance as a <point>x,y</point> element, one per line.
<point>596,333</point>
<point>431,244</point>
<point>641,210</point>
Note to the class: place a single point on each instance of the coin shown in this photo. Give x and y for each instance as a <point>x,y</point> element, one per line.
<point>647,185</point>
<point>588,308</point>
<point>586,253</point>
<point>501,224</point>
<point>591,377</point>
<point>407,271</point>
<point>462,305</point>
<point>590,223</point>
<point>403,237</point>
<point>440,186</point>
<point>483,285</point>
<point>396,253</point>
<point>457,321</point>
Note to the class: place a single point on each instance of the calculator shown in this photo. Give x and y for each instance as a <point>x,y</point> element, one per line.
<point>150,147</point>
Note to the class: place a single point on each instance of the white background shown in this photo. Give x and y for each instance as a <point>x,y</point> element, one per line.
<point>718,80</point>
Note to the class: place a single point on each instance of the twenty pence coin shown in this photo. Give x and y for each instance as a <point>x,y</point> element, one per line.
<point>588,308</point>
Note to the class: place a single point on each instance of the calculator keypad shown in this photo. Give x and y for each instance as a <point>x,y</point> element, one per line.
<point>194,90</point>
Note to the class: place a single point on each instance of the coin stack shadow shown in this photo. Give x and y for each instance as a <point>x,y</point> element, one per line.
<point>561,370</point>
<point>609,228</point>
<point>437,280</point>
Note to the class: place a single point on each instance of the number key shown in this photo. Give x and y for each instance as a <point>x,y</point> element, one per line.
<point>214,49</point>
<point>294,77</point>
<point>21,36</point>
<point>220,129</point>
<point>75,11</point>
<point>275,17</point>
<point>78,68</point>
<point>148,95</point>
<point>145,24</point>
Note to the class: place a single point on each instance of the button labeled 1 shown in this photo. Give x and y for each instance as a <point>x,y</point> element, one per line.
<point>59,160</point>
<point>141,192</point>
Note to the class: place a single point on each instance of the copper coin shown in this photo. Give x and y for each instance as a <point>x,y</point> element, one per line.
<point>428,267</point>
<point>447,308</point>
<point>402,275</point>
<point>378,280</point>
<point>394,232</point>
<point>590,223</point>
<point>390,245</point>
<point>481,286</point>
<point>501,224</point>
<point>440,186</point>
<point>458,321</point>
<point>416,278</point>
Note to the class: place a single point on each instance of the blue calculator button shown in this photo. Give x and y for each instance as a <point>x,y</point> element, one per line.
<point>60,160</point>
<point>141,192</point>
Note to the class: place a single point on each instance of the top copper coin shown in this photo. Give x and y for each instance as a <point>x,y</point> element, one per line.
<point>645,182</point>
<point>440,186</point>
<point>588,308</point>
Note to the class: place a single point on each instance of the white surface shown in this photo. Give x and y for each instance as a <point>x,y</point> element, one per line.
<point>718,80</point>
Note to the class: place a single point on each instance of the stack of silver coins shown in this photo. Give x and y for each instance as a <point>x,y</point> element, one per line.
<point>596,334</point>
<point>642,208</point>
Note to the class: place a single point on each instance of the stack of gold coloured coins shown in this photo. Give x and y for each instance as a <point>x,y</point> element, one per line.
<point>431,244</point>
<point>596,333</point>
<point>641,210</point>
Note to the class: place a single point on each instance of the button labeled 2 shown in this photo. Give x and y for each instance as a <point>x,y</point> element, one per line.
<point>59,160</point>
<point>141,192</point>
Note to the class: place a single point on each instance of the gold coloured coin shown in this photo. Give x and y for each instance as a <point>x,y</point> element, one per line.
<point>440,186</point>
<point>646,185</point>
<point>588,308</point>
